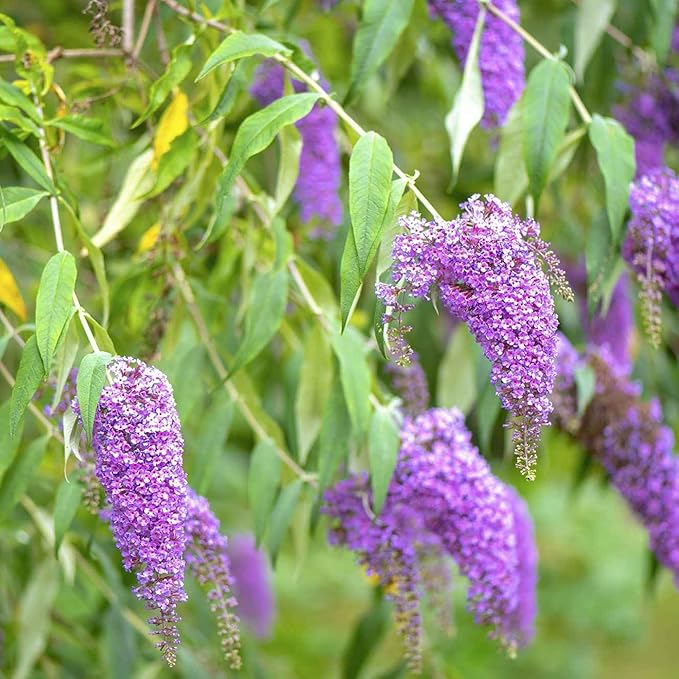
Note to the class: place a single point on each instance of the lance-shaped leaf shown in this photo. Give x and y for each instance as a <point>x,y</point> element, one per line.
<point>264,477</point>
<point>16,202</point>
<point>26,159</point>
<point>585,383</point>
<point>9,94</point>
<point>91,380</point>
<point>54,303</point>
<point>257,131</point>
<point>16,481</point>
<point>66,505</point>
<point>239,45</point>
<point>383,444</point>
<point>264,315</point>
<point>281,517</point>
<point>382,23</point>
<point>366,636</point>
<point>456,383</point>
<point>468,106</point>
<point>30,374</point>
<point>591,21</point>
<point>85,128</point>
<point>333,439</point>
<point>615,155</point>
<point>663,21</point>
<point>9,442</point>
<point>546,103</point>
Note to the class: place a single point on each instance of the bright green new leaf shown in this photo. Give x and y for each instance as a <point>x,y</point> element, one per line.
<point>281,516</point>
<point>615,155</point>
<point>383,444</point>
<point>355,376</point>
<point>16,202</point>
<point>381,26</point>
<point>30,374</point>
<point>91,380</point>
<point>546,104</point>
<point>54,303</point>
<point>69,496</point>
<point>591,21</point>
<point>26,159</point>
<point>239,45</point>
<point>86,128</point>
<point>315,381</point>
<point>468,106</point>
<point>264,477</point>
<point>16,481</point>
<point>264,314</point>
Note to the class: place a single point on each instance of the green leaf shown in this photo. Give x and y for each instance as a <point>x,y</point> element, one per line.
<point>510,178</point>
<point>104,341</point>
<point>257,131</point>
<point>315,381</point>
<point>664,19</point>
<point>34,617</point>
<point>16,481</point>
<point>9,94</point>
<point>27,160</point>
<point>138,181</point>
<point>30,374</point>
<point>288,166</point>
<point>71,435</point>
<point>281,517</point>
<point>323,292</point>
<point>487,409</point>
<point>264,314</point>
<point>355,376</point>
<point>546,104</point>
<point>365,638</point>
<point>210,444</point>
<point>456,383</point>
<point>16,117</point>
<point>91,380</point>
<point>585,382</point>
<point>88,129</point>
<point>615,155</point>
<point>591,21</point>
<point>69,496</point>
<point>237,83</point>
<point>16,202</point>
<point>264,477</point>
<point>54,303</point>
<point>176,71</point>
<point>9,443</point>
<point>600,258</point>
<point>468,106</point>
<point>333,447</point>
<point>383,444</point>
<point>239,45</point>
<point>173,163</point>
<point>381,26</point>
<point>118,645</point>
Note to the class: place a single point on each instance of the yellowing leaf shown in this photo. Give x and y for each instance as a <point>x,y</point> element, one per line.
<point>173,122</point>
<point>149,239</point>
<point>9,292</point>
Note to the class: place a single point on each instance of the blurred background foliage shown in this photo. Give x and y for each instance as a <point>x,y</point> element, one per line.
<point>604,612</point>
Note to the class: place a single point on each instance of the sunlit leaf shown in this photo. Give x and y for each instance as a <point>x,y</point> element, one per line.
<point>10,295</point>
<point>173,122</point>
<point>16,202</point>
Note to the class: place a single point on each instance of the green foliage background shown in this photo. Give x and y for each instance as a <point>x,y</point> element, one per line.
<point>603,610</point>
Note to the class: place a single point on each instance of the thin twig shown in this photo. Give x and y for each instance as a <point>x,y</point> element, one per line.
<point>76,53</point>
<point>161,39</point>
<point>540,49</point>
<point>144,29</point>
<point>128,25</point>
<point>312,84</point>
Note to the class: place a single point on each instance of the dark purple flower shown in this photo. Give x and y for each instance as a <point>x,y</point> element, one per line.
<point>138,446</point>
<point>486,267</point>
<point>317,188</point>
<point>443,499</point>
<point>501,54</point>
<point>252,584</point>
<point>652,243</point>
<point>626,435</point>
<point>207,558</point>
<point>409,383</point>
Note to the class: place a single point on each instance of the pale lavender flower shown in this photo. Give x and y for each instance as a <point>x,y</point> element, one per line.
<point>652,243</point>
<point>138,446</point>
<point>207,558</point>
<point>252,584</point>
<point>317,187</point>
<point>501,53</point>
<point>486,267</point>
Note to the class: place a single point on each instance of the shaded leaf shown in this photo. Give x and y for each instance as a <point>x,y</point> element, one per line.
<point>591,20</point>
<point>16,481</point>
<point>69,496</point>
<point>366,636</point>
<point>86,128</point>
<point>288,166</point>
<point>9,443</point>
<point>30,374</point>
<point>281,517</point>
<point>585,382</point>
<point>456,383</point>
<point>383,444</point>
<point>91,380</point>
<point>264,477</point>
<point>16,202</point>
<point>664,19</point>
<point>333,440</point>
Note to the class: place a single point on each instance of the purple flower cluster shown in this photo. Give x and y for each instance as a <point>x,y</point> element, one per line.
<point>410,383</point>
<point>626,435</point>
<point>443,499</point>
<point>652,243</point>
<point>252,584</point>
<point>501,53</point>
<point>317,187</point>
<point>486,267</point>
<point>138,446</point>
<point>207,558</point>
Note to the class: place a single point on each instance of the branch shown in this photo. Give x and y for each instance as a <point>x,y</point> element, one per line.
<point>128,25</point>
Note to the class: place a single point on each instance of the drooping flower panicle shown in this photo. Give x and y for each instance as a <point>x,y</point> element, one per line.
<point>410,384</point>
<point>652,244</point>
<point>501,53</point>
<point>317,187</point>
<point>139,447</point>
<point>486,267</point>
<point>443,495</point>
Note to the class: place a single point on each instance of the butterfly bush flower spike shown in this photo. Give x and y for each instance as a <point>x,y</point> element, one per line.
<point>486,267</point>
<point>501,53</point>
